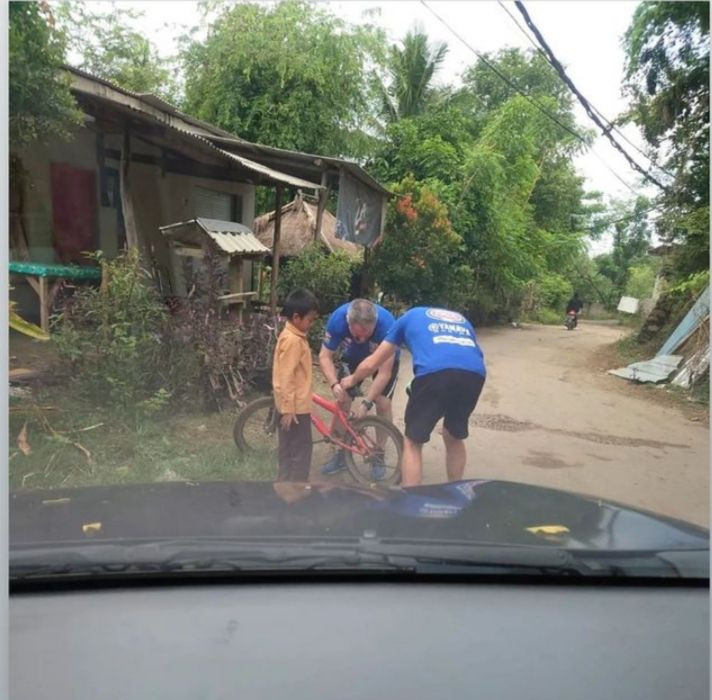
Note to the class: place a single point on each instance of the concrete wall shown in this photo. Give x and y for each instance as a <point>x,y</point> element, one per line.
<point>80,152</point>
<point>158,199</point>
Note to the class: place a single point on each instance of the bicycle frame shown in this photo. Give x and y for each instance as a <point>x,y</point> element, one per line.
<point>332,407</point>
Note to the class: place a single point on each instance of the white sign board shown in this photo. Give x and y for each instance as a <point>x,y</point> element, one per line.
<point>628,305</point>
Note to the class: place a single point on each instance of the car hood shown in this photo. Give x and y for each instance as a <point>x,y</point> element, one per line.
<point>497,512</point>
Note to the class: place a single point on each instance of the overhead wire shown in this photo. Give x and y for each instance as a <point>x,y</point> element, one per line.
<point>584,102</point>
<point>602,225</point>
<point>519,90</point>
<point>609,123</point>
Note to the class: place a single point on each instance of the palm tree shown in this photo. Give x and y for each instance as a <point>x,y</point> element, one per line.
<point>411,70</point>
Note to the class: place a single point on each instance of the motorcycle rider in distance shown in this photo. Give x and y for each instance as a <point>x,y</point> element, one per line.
<point>575,304</point>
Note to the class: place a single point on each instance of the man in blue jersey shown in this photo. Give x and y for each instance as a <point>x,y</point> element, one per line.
<point>449,371</point>
<point>356,328</point>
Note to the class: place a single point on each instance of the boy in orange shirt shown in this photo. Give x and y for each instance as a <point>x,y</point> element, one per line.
<point>292,385</point>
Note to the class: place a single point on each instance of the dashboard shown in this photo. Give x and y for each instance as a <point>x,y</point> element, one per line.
<point>361,640</point>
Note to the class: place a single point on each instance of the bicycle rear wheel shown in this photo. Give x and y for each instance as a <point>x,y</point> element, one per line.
<point>384,442</point>
<point>255,430</point>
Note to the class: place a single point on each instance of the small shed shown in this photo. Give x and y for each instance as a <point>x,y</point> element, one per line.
<point>299,229</point>
<point>235,243</point>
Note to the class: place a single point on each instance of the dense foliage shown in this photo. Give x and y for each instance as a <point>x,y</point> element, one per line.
<point>290,75</point>
<point>40,103</point>
<point>113,49</point>
<point>667,71</point>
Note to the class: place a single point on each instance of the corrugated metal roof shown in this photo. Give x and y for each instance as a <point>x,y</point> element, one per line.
<point>154,101</point>
<point>219,226</point>
<point>232,238</point>
<point>241,243</point>
<point>207,134</point>
<point>304,160</point>
<point>264,170</point>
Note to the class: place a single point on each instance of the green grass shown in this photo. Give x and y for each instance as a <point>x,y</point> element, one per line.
<point>550,317</point>
<point>74,444</point>
<point>630,350</point>
<point>700,393</point>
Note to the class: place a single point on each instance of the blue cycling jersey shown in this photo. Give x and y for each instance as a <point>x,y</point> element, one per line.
<point>337,334</point>
<point>438,339</point>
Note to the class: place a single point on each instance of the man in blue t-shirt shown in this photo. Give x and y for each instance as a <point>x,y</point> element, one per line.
<point>449,374</point>
<point>356,328</point>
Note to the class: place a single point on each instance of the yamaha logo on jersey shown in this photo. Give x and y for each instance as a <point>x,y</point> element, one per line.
<point>445,315</point>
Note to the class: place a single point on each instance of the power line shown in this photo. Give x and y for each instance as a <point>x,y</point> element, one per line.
<point>517,89</point>
<point>609,123</point>
<point>586,105</point>
<point>633,215</point>
<point>616,175</point>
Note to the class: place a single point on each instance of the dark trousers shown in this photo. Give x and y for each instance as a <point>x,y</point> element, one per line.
<point>295,450</point>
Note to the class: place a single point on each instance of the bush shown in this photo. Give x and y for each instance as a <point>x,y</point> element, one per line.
<point>418,259</point>
<point>328,275</point>
<point>214,357</point>
<point>547,292</point>
<point>641,279</point>
<point>110,339</point>
<point>550,317</point>
<point>123,351</point>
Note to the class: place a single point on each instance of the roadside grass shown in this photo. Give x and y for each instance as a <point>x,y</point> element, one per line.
<point>549,317</point>
<point>630,350</point>
<point>74,444</point>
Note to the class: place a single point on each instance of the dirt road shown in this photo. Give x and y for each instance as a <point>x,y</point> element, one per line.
<point>550,416</point>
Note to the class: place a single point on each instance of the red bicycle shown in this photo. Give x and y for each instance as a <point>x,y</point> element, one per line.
<point>372,446</point>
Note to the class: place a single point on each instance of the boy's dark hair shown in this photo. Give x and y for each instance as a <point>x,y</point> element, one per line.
<point>300,302</point>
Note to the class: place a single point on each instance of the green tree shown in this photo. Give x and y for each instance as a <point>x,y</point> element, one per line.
<point>411,69</point>
<point>667,80</point>
<point>484,92</point>
<point>429,146</point>
<point>631,239</point>
<point>111,49</point>
<point>419,259</point>
<point>641,279</point>
<point>291,75</point>
<point>41,104</point>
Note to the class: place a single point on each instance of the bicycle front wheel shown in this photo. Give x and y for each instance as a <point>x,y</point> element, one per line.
<point>384,445</point>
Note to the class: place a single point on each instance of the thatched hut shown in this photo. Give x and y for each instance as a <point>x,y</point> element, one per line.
<point>298,229</point>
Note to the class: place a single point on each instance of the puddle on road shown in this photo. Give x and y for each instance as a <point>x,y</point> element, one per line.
<point>548,460</point>
<point>495,421</point>
<point>500,422</point>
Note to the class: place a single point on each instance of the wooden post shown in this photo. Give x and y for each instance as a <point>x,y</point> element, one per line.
<point>44,305</point>
<point>236,282</point>
<point>46,293</point>
<point>260,278</point>
<point>321,205</point>
<point>126,199</point>
<point>363,281</point>
<point>275,252</point>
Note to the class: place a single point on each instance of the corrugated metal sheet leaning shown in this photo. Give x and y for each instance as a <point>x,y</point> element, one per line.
<point>692,338</point>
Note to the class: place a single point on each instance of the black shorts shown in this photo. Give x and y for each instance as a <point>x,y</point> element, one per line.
<point>449,393</point>
<point>388,390</point>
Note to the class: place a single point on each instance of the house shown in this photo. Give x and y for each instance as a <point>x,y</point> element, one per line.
<point>138,164</point>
